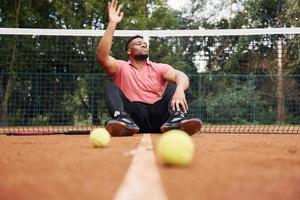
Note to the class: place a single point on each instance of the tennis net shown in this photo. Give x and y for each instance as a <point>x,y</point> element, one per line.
<point>241,80</point>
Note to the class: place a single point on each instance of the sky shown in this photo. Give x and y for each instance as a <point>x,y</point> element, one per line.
<point>177,4</point>
<point>209,9</point>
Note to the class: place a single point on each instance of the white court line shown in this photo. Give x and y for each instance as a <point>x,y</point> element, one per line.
<point>142,180</point>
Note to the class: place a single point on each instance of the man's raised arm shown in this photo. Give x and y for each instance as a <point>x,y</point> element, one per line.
<point>107,62</point>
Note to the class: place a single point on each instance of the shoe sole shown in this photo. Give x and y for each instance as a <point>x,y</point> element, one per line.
<point>118,129</point>
<point>190,126</point>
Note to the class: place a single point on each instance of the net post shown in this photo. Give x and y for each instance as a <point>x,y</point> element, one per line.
<point>280,86</point>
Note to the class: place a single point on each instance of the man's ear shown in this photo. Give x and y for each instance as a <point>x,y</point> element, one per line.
<point>128,51</point>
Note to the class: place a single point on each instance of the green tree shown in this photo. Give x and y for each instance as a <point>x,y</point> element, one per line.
<point>7,80</point>
<point>66,69</point>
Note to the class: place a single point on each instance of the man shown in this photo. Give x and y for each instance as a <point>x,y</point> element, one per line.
<point>138,100</point>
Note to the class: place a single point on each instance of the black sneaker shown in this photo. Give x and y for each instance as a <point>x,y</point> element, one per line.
<point>121,125</point>
<point>178,120</point>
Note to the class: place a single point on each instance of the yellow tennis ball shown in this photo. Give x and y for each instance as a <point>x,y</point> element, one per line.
<point>175,147</point>
<point>100,137</point>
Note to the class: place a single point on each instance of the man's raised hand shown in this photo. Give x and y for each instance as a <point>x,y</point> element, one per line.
<point>114,11</point>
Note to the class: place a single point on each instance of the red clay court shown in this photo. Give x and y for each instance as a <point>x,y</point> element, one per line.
<point>226,166</point>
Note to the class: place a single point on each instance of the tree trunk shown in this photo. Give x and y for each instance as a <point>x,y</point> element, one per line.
<point>7,91</point>
<point>4,104</point>
<point>2,81</point>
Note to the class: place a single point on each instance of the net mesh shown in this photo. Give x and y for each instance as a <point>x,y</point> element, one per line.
<point>239,83</point>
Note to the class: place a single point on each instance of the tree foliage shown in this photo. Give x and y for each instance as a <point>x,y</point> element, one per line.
<point>59,77</point>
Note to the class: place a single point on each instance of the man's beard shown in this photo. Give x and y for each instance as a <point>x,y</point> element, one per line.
<point>141,57</point>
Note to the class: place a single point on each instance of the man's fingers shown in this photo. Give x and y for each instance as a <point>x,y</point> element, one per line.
<point>113,3</point>
<point>108,6</point>
<point>173,104</point>
<point>177,106</point>
<point>186,105</point>
<point>119,8</point>
<point>121,15</point>
<point>183,107</point>
<point>183,104</point>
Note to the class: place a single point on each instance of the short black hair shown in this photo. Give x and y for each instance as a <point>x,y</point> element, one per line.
<point>130,39</point>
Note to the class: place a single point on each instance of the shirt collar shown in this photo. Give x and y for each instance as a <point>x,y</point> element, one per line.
<point>148,62</point>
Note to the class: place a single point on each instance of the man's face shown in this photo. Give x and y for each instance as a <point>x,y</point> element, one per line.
<point>138,49</point>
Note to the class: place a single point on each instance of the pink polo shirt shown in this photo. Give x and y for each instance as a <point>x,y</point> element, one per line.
<point>144,85</point>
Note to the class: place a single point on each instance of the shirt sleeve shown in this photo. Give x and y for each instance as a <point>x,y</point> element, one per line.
<point>164,68</point>
<point>118,71</point>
